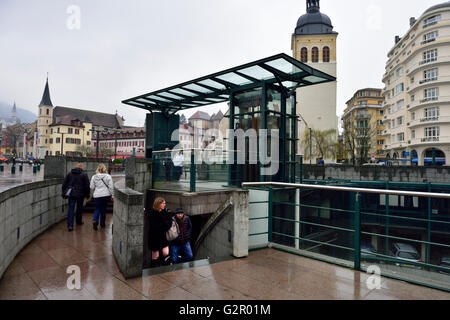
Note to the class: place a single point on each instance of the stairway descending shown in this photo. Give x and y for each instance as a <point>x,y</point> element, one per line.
<point>89,207</point>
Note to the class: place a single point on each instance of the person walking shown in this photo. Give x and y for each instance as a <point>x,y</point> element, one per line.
<point>181,245</point>
<point>78,182</point>
<point>167,164</point>
<point>160,222</point>
<point>178,161</point>
<point>103,187</point>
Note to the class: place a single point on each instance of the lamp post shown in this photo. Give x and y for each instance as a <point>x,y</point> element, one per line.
<point>98,137</point>
<point>310,139</point>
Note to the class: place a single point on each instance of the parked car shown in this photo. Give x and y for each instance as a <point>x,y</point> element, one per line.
<point>368,252</point>
<point>445,262</point>
<point>405,252</point>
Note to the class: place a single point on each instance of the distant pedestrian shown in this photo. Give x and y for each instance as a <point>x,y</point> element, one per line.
<point>160,222</point>
<point>168,164</point>
<point>78,183</point>
<point>181,245</point>
<point>103,187</point>
<point>178,161</point>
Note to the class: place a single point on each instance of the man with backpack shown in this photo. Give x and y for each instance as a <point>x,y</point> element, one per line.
<point>181,246</point>
<point>76,187</point>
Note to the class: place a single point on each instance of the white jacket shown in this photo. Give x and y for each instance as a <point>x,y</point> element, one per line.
<point>102,189</point>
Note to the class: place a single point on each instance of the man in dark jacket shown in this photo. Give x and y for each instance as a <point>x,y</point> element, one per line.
<point>78,181</point>
<point>181,246</point>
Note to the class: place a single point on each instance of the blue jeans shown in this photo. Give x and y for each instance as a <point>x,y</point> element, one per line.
<point>184,250</point>
<point>100,209</point>
<point>79,212</point>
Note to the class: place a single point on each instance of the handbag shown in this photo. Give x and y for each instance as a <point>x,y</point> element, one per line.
<point>67,193</point>
<point>173,232</point>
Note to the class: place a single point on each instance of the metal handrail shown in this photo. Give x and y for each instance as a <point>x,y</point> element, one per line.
<point>349,189</point>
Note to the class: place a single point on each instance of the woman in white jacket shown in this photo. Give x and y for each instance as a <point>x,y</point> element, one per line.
<point>103,187</point>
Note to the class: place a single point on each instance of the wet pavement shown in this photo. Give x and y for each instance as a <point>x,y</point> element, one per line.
<point>40,272</point>
<point>9,180</point>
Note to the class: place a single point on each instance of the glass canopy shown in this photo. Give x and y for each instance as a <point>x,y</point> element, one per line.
<point>279,70</point>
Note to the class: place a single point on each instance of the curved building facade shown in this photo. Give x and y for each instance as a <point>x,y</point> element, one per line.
<point>417,92</point>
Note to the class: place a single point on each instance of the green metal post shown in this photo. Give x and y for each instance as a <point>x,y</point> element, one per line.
<point>2,168</point>
<point>301,169</point>
<point>231,143</point>
<point>357,243</point>
<point>387,222</point>
<point>193,172</point>
<point>13,169</point>
<point>262,178</point>
<point>34,169</point>
<point>270,214</point>
<point>429,227</point>
<point>20,168</point>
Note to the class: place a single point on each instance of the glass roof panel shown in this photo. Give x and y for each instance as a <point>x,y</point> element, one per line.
<point>183,92</point>
<point>234,78</point>
<point>171,96</point>
<point>313,79</point>
<point>284,66</point>
<point>189,105</point>
<point>257,72</point>
<point>215,99</point>
<point>145,101</point>
<point>214,84</point>
<point>202,102</point>
<point>158,98</point>
<point>195,87</point>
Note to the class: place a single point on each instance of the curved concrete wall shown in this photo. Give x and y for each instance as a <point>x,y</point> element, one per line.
<point>25,212</point>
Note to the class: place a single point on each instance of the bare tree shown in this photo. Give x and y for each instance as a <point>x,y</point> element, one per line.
<point>358,139</point>
<point>320,144</point>
<point>86,151</point>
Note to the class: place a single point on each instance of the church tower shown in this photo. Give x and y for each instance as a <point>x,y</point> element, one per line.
<point>314,43</point>
<point>14,118</point>
<point>45,118</point>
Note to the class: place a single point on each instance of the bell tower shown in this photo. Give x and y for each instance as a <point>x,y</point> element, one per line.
<point>45,119</point>
<point>314,44</point>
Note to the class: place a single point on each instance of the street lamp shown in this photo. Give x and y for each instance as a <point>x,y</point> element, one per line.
<point>310,139</point>
<point>98,137</point>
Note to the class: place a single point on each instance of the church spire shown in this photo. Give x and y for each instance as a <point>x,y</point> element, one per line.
<point>14,110</point>
<point>46,101</point>
<point>312,6</point>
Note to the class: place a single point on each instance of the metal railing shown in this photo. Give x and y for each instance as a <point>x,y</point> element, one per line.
<point>334,223</point>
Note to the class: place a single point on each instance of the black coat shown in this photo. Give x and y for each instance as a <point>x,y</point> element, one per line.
<point>79,181</point>
<point>185,227</point>
<point>159,224</point>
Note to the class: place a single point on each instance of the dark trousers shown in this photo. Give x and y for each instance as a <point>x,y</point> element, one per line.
<point>100,209</point>
<point>78,213</point>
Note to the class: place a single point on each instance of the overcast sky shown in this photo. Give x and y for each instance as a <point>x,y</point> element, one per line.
<point>120,49</point>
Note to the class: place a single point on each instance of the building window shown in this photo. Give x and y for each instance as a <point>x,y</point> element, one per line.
<point>304,55</point>
<point>51,141</point>
<point>70,130</point>
<point>77,131</point>
<point>413,134</point>
<point>400,121</point>
<point>399,88</point>
<point>399,72</point>
<point>430,37</point>
<point>380,112</point>
<point>431,21</point>
<point>429,56</point>
<point>326,54</point>
<point>58,140</point>
<point>431,94</point>
<point>430,75</point>
<point>87,133</point>
<point>58,130</point>
<point>432,132</point>
<point>400,105</point>
<point>315,54</point>
<point>413,116</point>
<point>432,113</point>
<point>400,137</point>
<point>48,111</point>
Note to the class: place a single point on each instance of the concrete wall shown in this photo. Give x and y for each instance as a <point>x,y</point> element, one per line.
<point>58,167</point>
<point>384,173</point>
<point>25,212</point>
<point>138,174</point>
<point>128,232</point>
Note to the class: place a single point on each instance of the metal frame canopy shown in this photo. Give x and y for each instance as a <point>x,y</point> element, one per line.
<point>280,69</point>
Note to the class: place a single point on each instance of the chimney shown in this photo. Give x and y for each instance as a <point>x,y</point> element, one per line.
<point>397,39</point>
<point>412,20</point>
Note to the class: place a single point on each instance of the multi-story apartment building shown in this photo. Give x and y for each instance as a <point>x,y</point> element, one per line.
<point>363,123</point>
<point>417,79</point>
<point>70,137</point>
<point>122,142</point>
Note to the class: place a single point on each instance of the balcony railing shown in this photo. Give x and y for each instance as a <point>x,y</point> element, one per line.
<point>429,119</point>
<point>430,139</point>
<point>428,80</point>
<point>427,61</point>
<point>428,41</point>
<point>429,24</point>
<point>430,99</point>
